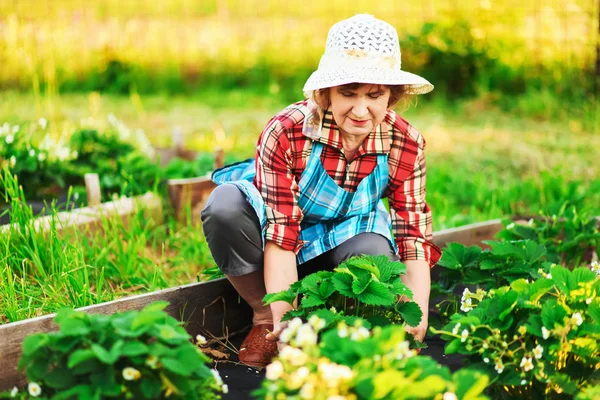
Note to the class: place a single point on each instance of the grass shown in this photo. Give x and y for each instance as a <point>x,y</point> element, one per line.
<point>45,271</point>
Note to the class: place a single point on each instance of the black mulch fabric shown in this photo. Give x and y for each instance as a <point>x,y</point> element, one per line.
<point>243,380</point>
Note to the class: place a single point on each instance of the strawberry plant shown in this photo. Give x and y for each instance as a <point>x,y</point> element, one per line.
<point>367,287</point>
<point>353,362</point>
<point>535,339</point>
<point>130,355</point>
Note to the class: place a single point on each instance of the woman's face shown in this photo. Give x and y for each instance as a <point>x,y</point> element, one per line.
<point>358,111</point>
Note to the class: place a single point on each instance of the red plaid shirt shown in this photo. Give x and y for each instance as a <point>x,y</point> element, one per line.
<point>282,153</point>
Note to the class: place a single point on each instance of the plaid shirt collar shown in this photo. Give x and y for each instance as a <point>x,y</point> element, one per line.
<point>322,128</point>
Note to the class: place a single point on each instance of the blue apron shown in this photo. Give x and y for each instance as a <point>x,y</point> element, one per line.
<point>331,215</point>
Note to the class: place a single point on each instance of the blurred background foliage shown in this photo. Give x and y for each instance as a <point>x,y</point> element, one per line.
<point>503,49</point>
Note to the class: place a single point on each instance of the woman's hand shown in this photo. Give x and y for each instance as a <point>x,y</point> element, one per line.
<point>418,280</point>
<point>420,330</point>
<point>280,273</point>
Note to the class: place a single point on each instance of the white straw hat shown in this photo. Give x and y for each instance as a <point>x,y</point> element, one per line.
<point>363,49</point>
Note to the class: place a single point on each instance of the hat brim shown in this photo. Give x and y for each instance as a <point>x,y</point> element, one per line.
<point>321,79</point>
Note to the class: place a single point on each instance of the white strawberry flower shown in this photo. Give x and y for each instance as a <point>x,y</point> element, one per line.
<point>43,123</point>
<point>200,340</point>
<point>455,329</point>
<point>537,352</point>
<point>34,389</point>
<point>360,334</point>
<point>274,370</point>
<point>9,139</point>
<point>464,335</point>
<point>595,267</point>
<point>225,389</point>
<point>131,374</point>
<point>449,396</point>
<point>466,305</point>
<point>305,336</point>
<point>577,319</point>
<point>293,355</point>
<point>342,330</point>
<point>14,391</point>
<point>526,364</point>
<point>316,322</point>
<point>217,377</point>
<point>486,360</point>
<point>499,367</point>
<point>545,332</point>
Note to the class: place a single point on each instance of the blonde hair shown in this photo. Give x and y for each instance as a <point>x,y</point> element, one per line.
<point>397,94</point>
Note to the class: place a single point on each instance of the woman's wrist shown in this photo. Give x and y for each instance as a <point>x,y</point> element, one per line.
<point>280,274</point>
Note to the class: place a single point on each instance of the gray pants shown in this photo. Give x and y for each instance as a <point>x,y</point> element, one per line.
<point>233,234</point>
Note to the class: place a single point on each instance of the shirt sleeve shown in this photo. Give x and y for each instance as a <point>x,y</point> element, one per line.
<point>411,216</point>
<point>278,187</point>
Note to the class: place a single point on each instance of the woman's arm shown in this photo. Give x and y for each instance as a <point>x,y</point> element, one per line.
<point>280,273</point>
<point>418,279</point>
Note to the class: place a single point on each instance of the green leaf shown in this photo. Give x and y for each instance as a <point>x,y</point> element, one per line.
<point>326,289</point>
<point>151,388</point>
<point>564,381</point>
<point>59,378</point>
<point>410,312</point>
<point>553,314</point>
<point>457,256</point>
<point>132,349</point>
<point>453,346</point>
<point>389,269</point>
<point>343,284</point>
<point>108,357</point>
<point>366,263</point>
<point>79,356</point>
<point>469,384</point>
<point>170,334</point>
<point>506,249</point>
<point>176,366</point>
<point>156,306</point>
<point>147,319</point>
<point>376,294</point>
<point>507,302</point>
<point>583,275</point>
<point>539,288</point>
<point>33,343</point>
<point>74,327</point>
<point>285,295</point>
<point>534,251</point>
<point>563,279</point>
<point>359,285</point>
<point>400,289</point>
<point>312,300</point>
<point>594,312</point>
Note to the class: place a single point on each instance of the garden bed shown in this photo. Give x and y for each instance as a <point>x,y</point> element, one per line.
<point>212,307</point>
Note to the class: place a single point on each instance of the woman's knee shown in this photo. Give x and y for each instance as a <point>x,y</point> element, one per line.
<point>363,244</point>
<point>225,205</point>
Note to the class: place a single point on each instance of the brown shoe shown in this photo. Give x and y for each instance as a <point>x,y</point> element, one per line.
<point>256,350</point>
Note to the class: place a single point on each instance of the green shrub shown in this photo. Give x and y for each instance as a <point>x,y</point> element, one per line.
<point>131,355</point>
<point>352,362</point>
<point>535,339</point>
<point>361,287</point>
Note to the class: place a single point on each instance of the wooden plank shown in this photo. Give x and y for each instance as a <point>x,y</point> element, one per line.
<point>208,306</point>
<point>192,193</point>
<point>469,235</point>
<point>90,219</point>
<point>92,187</point>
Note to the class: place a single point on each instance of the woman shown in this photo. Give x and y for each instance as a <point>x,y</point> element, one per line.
<point>312,197</point>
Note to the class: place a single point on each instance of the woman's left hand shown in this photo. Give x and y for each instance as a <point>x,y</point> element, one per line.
<point>420,330</point>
